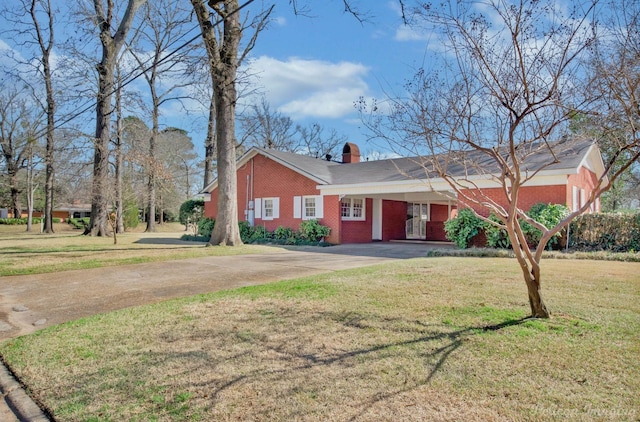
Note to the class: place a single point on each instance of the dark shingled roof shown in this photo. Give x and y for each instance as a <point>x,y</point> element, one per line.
<point>569,155</point>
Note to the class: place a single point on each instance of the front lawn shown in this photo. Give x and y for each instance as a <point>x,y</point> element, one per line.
<point>34,253</point>
<point>424,339</point>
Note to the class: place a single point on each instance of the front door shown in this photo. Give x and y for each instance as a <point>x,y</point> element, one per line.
<point>417,216</point>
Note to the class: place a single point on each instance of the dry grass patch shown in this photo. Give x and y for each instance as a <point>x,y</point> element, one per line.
<point>425,339</point>
<point>33,253</point>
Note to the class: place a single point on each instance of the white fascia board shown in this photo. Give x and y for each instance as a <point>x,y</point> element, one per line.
<point>592,160</point>
<point>436,185</point>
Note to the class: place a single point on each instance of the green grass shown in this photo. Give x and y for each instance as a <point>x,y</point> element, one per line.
<point>424,339</point>
<point>33,253</point>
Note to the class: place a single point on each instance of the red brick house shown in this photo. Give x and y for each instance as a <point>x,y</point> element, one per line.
<point>383,200</point>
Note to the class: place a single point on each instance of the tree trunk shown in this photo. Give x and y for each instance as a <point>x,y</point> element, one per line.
<point>226,231</point>
<point>99,200</point>
<point>223,65</point>
<point>15,194</point>
<point>151,192</point>
<point>111,45</point>
<point>538,308</point>
<point>119,167</point>
<point>49,164</point>
<point>210,143</point>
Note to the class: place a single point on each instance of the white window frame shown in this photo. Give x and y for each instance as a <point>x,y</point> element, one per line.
<point>300,209</point>
<point>351,217</point>
<point>262,204</point>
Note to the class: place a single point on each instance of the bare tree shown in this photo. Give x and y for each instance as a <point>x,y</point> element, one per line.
<point>17,128</point>
<point>615,77</point>
<point>261,126</point>
<point>105,16</point>
<point>162,27</point>
<point>224,59</point>
<point>33,25</point>
<point>510,81</point>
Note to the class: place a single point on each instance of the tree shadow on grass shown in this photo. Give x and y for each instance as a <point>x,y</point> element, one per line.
<point>296,368</point>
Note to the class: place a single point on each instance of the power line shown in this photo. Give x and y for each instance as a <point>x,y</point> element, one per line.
<point>142,71</point>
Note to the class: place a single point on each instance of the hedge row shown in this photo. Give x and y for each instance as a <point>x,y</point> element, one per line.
<point>311,232</point>
<point>23,221</point>
<point>606,232</point>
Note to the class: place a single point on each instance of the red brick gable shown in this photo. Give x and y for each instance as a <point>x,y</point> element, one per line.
<point>262,177</point>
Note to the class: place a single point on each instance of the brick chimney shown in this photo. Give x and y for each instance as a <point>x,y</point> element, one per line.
<point>350,153</point>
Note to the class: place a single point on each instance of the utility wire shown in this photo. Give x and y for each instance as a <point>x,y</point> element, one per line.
<point>141,72</point>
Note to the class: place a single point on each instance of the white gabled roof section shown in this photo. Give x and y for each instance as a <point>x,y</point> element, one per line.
<point>592,160</point>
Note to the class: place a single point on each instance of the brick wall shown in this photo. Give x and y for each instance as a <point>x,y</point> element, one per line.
<point>527,197</point>
<point>435,227</point>
<point>359,231</point>
<point>273,180</point>
<point>394,217</point>
<point>585,179</point>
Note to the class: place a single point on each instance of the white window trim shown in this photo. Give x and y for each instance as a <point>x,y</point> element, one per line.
<point>318,206</point>
<point>275,201</point>
<point>363,217</point>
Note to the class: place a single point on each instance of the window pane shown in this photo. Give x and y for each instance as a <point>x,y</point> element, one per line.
<point>358,205</point>
<point>345,207</point>
<point>309,207</point>
<point>268,207</point>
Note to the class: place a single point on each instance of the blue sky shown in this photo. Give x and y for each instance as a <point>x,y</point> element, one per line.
<point>311,68</point>
<point>315,68</point>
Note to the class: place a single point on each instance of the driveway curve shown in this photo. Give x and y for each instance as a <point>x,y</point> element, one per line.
<point>32,302</point>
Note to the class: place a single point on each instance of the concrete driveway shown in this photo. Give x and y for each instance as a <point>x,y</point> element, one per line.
<point>29,303</point>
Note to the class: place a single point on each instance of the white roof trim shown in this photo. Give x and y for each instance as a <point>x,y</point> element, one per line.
<point>255,151</point>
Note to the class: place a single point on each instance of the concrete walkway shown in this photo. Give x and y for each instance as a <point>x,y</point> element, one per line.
<point>30,303</point>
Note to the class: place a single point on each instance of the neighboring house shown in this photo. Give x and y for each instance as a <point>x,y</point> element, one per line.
<point>384,200</point>
<point>75,210</point>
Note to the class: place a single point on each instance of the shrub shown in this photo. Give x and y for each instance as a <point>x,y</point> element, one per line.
<point>496,237</point>
<point>313,231</point>
<point>22,221</point>
<point>606,231</point>
<point>283,233</point>
<point>205,227</point>
<point>463,228</point>
<point>549,215</point>
<point>79,223</point>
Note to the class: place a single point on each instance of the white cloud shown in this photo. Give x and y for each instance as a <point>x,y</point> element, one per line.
<point>280,20</point>
<point>408,33</point>
<point>310,88</point>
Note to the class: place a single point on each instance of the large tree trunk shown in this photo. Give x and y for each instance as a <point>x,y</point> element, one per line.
<point>111,45</point>
<point>119,167</point>
<point>225,231</point>
<point>223,65</point>
<point>99,200</point>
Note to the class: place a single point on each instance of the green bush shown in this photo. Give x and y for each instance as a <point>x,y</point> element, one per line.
<point>79,223</point>
<point>205,227</point>
<point>549,215</point>
<point>496,237</point>
<point>191,211</point>
<point>23,221</point>
<point>313,231</point>
<point>283,233</point>
<point>616,232</point>
<point>463,228</point>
